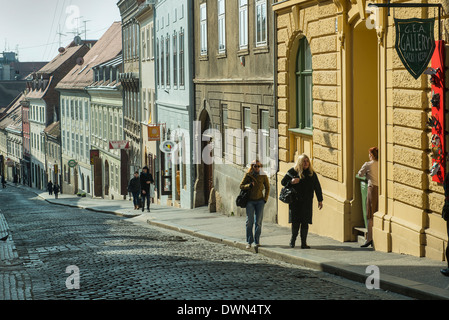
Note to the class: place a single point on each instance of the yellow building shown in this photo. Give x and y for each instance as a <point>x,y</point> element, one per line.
<point>341,89</point>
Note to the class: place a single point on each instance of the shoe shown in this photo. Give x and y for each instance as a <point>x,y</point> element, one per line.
<point>445,272</point>
<point>292,244</point>
<point>304,246</point>
<point>248,246</point>
<point>4,238</point>
<point>256,248</point>
<point>367,244</point>
<point>143,209</point>
<point>148,210</point>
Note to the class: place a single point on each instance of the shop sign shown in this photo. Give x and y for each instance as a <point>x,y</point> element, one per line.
<point>119,145</point>
<point>415,43</point>
<point>72,163</point>
<point>167,146</point>
<point>94,154</point>
<point>154,133</point>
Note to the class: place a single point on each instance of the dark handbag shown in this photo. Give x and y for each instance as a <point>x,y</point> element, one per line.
<point>242,198</point>
<point>288,194</point>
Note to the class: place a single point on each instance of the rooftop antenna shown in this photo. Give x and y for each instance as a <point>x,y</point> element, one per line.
<point>85,29</point>
<point>60,34</point>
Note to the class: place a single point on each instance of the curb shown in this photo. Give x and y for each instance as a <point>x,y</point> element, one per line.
<point>387,282</point>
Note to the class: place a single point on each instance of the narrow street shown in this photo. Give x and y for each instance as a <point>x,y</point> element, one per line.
<point>121,260</point>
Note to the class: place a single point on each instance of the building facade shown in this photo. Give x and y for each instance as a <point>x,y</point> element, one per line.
<point>175,100</point>
<point>106,124</point>
<point>44,107</point>
<point>356,94</point>
<point>145,17</point>
<point>130,80</point>
<point>52,140</point>
<point>234,96</point>
<point>76,112</point>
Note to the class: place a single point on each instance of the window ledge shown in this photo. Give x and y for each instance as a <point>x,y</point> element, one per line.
<point>306,132</point>
<point>261,49</point>
<point>203,58</point>
<point>221,55</point>
<point>243,52</point>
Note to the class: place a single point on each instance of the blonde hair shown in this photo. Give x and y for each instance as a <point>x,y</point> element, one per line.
<point>299,166</point>
<point>250,169</point>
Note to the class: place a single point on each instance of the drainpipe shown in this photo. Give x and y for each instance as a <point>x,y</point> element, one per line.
<point>275,66</point>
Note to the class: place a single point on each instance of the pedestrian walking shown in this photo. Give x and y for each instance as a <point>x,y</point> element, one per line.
<point>255,180</point>
<point>56,190</point>
<point>304,180</point>
<point>134,188</point>
<point>370,170</point>
<point>146,179</point>
<point>3,182</point>
<point>50,187</point>
<point>445,215</point>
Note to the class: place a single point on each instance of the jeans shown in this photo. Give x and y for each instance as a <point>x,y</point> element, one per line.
<point>136,198</point>
<point>146,196</point>
<point>254,209</point>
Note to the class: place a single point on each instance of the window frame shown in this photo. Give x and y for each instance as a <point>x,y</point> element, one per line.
<point>264,41</point>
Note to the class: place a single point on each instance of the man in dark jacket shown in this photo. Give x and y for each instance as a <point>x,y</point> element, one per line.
<point>134,188</point>
<point>145,180</point>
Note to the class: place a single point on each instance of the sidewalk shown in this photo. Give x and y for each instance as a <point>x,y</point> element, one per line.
<point>411,276</point>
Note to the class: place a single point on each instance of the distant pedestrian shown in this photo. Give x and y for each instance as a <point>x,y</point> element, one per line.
<point>3,181</point>
<point>445,215</point>
<point>305,181</point>
<point>50,187</point>
<point>134,188</point>
<point>370,170</point>
<point>257,181</point>
<point>145,180</point>
<point>56,190</point>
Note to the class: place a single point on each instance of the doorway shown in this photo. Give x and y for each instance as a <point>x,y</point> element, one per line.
<point>365,106</point>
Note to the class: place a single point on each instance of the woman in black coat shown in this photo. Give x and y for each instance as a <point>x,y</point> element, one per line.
<point>305,181</point>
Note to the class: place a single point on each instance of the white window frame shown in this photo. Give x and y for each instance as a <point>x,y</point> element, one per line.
<point>243,24</point>
<point>221,5</point>
<point>262,5</point>
<point>203,29</point>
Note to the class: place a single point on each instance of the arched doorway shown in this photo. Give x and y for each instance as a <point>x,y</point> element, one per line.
<point>365,105</point>
<point>106,178</point>
<point>204,182</point>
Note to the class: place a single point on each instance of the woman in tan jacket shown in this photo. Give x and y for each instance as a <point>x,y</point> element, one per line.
<point>257,180</point>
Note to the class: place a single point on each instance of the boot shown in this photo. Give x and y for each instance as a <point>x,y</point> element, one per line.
<point>304,232</point>
<point>292,242</point>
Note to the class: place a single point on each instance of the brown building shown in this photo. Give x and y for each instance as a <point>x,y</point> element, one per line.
<point>234,92</point>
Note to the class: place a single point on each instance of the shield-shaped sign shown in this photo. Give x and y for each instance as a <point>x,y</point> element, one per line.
<point>415,43</point>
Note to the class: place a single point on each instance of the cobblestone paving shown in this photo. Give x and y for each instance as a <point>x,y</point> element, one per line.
<point>120,260</point>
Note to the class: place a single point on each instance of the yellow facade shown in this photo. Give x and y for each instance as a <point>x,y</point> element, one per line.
<point>362,97</point>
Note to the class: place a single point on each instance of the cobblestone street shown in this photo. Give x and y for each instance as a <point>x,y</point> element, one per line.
<point>121,260</point>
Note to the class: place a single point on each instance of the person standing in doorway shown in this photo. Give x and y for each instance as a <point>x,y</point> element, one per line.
<point>50,187</point>
<point>56,190</point>
<point>3,182</point>
<point>256,180</point>
<point>145,180</point>
<point>305,181</point>
<point>370,170</point>
<point>134,188</point>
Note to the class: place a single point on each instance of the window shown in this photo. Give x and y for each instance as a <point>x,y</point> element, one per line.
<point>181,57</point>
<point>157,62</point>
<point>261,23</point>
<point>151,41</point>
<point>224,117</point>
<point>144,45</point>
<point>264,137</point>
<point>203,28</point>
<point>304,86</point>
<point>175,59</point>
<point>167,56</point>
<point>247,131</point>
<point>221,26</point>
<point>162,62</point>
<point>243,24</point>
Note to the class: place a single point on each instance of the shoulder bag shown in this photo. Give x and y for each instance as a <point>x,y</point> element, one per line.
<point>288,194</point>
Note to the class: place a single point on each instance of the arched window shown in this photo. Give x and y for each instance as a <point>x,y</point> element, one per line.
<point>304,86</point>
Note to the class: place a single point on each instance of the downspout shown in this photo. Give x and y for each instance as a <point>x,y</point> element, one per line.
<point>276,125</point>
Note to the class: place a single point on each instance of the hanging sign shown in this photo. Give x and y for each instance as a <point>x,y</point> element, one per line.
<point>415,43</point>
<point>167,146</point>
<point>72,163</point>
<point>154,133</point>
<point>119,144</point>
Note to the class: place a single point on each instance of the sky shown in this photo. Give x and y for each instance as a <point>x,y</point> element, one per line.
<point>32,26</point>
